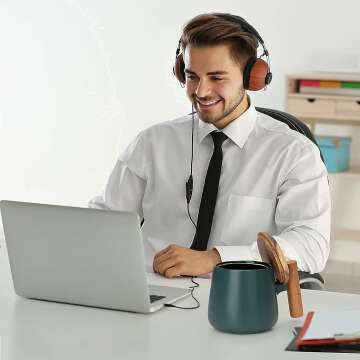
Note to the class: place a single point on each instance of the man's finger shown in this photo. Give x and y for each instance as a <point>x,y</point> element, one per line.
<point>169,254</point>
<point>160,258</point>
<point>165,265</point>
<point>174,271</point>
<point>163,251</point>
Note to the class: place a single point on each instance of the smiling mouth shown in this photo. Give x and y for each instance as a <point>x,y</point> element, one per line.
<point>207,104</point>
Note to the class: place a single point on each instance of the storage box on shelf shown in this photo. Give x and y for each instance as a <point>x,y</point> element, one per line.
<point>336,152</point>
<point>336,107</point>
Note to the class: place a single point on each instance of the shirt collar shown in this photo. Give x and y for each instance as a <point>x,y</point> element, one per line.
<point>238,130</point>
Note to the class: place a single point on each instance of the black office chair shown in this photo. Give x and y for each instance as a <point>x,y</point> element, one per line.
<point>307,280</point>
<point>292,122</point>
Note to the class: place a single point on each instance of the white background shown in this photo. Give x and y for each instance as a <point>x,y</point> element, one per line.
<point>79,79</point>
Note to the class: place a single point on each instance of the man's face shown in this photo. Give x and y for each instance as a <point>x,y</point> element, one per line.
<point>214,84</point>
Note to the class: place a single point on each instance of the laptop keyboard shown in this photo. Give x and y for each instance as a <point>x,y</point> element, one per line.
<point>154,298</point>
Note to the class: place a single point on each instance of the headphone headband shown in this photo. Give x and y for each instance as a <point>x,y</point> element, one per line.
<point>241,21</point>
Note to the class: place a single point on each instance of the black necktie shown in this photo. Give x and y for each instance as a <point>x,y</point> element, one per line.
<point>208,198</point>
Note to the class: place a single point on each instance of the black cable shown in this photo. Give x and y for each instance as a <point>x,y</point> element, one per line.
<point>192,294</point>
<point>189,183</point>
<point>188,210</point>
<point>189,189</point>
<point>192,139</point>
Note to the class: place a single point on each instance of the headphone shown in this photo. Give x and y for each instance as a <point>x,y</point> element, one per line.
<point>257,74</point>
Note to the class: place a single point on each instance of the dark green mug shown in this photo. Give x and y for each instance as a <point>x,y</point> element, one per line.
<point>243,297</point>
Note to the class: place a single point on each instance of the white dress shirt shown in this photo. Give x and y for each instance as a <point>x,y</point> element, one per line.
<point>272,180</point>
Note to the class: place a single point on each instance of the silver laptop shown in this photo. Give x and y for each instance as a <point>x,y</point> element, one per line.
<point>80,256</point>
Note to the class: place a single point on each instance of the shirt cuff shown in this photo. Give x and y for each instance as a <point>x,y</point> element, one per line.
<point>236,253</point>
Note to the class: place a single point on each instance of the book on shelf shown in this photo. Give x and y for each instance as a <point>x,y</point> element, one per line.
<point>350,88</point>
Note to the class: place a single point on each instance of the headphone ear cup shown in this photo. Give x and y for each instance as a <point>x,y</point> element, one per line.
<point>255,74</point>
<point>179,68</point>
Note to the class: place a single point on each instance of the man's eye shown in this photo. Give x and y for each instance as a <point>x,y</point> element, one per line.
<point>217,78</point>
<point>190,77</point>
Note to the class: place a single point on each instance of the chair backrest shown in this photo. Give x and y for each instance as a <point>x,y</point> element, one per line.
<point>292,122</point>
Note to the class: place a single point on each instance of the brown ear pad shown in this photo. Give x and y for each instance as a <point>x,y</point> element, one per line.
<point>271,253</point>
<point>257,75</point>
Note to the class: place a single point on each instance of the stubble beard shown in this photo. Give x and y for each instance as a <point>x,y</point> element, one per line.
<point>227,111</point>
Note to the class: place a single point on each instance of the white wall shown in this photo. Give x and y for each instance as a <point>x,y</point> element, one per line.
<point>79,79</point>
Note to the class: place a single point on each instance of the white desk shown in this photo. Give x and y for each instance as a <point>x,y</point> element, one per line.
<point>43,330</point>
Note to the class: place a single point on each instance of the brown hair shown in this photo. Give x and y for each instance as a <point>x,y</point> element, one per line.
<point>210,30</point>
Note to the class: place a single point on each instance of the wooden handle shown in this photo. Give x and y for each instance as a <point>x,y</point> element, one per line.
<point>294,293</point>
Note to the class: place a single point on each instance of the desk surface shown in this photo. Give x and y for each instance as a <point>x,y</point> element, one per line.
<point>38,330</point>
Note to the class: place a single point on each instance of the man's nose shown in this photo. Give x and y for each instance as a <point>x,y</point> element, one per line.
<point>203,89</point>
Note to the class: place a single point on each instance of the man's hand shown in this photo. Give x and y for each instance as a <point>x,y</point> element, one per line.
<point>176,260</point>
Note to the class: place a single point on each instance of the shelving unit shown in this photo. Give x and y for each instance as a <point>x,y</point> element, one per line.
<point>324,108</point>
<point>330,109</point>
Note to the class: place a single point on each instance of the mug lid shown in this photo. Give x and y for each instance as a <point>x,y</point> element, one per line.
<point>271,253</point>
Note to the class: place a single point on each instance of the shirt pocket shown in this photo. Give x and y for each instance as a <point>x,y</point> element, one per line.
<point>245,217</point>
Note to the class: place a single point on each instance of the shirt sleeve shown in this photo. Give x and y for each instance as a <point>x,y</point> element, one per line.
<point>303,212</point>
<point>302,216</point>
<point>126,184</point>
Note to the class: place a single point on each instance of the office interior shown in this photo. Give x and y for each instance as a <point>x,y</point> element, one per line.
<point>79,80</point>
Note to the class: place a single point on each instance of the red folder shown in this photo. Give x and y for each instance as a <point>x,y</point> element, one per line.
<point>301,342</point>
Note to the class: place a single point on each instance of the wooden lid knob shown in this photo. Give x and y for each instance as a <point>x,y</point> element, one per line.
<point>286,272</point>
<point>271,253</point>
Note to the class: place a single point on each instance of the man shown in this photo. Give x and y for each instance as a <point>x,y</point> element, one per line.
<point>272,178</point>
